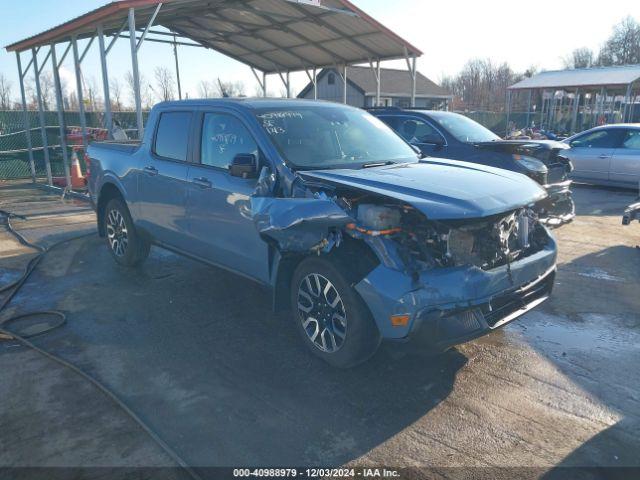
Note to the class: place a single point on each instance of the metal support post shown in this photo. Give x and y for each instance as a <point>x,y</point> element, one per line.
<point>508,112</point>
<point>264,84</point>
<point>108,120</point>
<point>376,74</point>
<point>60,105</point>
<point>43,130</point>
<point>175,56</point>
<point>134,72</point>
<point>25,119</point>
<point>344,83</point>
<point>80,93</point>
<point>576,107</point>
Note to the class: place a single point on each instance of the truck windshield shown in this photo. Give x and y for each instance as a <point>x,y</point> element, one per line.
<point>464,129</point>
<point>327,137</point>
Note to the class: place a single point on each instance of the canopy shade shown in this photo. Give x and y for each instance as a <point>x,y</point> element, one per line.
<point>269,35</point>
<point>581,77</point>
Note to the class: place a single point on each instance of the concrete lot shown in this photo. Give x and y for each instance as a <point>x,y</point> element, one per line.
<point>196,352</point>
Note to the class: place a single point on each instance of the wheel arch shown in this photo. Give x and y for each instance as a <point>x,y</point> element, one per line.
<point>108,191</point>
<point>355,253</point>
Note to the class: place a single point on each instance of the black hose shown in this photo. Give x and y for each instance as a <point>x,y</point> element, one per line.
<point>24,339</point>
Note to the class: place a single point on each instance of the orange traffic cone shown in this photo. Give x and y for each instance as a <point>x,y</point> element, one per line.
<point>77,179</point>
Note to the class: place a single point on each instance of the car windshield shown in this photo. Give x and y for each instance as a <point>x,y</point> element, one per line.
<point>464,129</point>
<point>331,136</point>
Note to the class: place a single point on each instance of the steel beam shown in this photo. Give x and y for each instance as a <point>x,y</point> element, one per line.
<point>80,92</point>
<point>576,107</point>
<point>175,56</point>
<point>61,123</point>
<point>134,71</point>
<point>43,130</point>
<point>508,112</point>
<point>25,119</point>
<point>108,118</point>
<point>148,27</point>
<point>344,83</point>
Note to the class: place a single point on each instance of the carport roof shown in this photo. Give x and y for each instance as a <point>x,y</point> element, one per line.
<point>581,77</point>
<point>269,35</point>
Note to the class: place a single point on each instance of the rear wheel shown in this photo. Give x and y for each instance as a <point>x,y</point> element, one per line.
<point>127,247</point>
<point>332,319</point>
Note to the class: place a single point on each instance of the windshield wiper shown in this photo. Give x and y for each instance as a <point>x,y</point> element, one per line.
<point>378,164</point>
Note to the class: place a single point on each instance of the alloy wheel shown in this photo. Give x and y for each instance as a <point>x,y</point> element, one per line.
<point>322,313</point>
<point>117,233</point>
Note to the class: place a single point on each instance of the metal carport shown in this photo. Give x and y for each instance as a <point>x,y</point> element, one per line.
<point>270,36</point>
<point>593,91</point>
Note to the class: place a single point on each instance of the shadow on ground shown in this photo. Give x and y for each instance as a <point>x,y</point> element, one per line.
<point>197,353</point>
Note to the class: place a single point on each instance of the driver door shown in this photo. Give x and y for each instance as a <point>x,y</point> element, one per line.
<point>218,207</point>
<point>592,152</point>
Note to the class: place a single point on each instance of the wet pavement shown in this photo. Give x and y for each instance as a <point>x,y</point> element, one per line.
<point>197,353</point>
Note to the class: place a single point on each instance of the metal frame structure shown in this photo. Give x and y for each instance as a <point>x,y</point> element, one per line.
<point>271,37</point>
<point>599,93</point>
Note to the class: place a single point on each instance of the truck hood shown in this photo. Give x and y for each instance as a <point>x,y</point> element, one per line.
<point>441,189</point>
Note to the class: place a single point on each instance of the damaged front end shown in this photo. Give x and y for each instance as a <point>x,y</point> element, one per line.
<point>447,280</point>
<point>545,163</point>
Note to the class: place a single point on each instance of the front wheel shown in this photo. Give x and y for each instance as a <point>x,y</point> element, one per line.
<point>332,319</point>
<point>127,247</point>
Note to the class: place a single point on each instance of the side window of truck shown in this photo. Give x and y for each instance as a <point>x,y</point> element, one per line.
<point>172,135</point>
<point>224,137</point>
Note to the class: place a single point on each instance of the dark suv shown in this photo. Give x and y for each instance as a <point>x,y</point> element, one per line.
<point>450,135</point>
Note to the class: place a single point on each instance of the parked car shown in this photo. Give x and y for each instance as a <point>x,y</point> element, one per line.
<point>331,210</point>
<point>451,135</point>
<point>607,155</point>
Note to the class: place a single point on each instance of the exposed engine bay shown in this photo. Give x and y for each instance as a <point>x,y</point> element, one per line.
<point>423,244</point>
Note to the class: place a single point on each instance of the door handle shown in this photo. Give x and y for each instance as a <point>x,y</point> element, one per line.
<point>202,182</point>
<point>150,170</point>
<point>604,157</point>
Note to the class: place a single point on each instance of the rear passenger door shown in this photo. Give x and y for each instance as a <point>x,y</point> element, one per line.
<point>220,221</point>
<point>625,164</point>
<point>162,183</point>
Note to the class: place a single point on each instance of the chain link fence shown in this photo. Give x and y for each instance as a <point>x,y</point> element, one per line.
<point>14,154</point>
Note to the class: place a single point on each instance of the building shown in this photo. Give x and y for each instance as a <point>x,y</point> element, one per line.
<point>395,88</point>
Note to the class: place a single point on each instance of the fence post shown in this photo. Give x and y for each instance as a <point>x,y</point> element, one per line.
<point>27,122</point>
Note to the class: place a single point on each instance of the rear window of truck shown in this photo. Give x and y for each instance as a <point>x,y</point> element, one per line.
<point>172,135</point>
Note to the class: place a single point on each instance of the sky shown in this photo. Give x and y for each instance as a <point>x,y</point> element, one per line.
<point>448,32</point>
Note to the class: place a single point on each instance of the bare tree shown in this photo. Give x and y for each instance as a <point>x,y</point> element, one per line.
<point>579,58</point>
<point>47,90</point>
<point>481,85</point>
<point>146,97</point>
<point>115,94</point>
<point>623,46</point>
<point>165,83</point>
<point>230,89</point>
<point>5,93</point>
<point>206,89</point>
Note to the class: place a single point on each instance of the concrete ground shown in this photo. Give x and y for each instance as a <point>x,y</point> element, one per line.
<point>197,353</point>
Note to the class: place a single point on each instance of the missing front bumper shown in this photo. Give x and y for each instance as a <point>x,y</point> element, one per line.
<point>443,329</point>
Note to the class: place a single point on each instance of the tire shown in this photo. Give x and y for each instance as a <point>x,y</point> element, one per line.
<point>126,246</point>
<point>333,321</point>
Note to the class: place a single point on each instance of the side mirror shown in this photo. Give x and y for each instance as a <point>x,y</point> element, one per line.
<point>244,165</point>
<point>433,139</point>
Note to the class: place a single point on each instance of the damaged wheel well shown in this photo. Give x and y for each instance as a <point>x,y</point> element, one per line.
<point>357,254</point>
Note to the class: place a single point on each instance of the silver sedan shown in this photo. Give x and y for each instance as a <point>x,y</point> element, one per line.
<point>606,155</point>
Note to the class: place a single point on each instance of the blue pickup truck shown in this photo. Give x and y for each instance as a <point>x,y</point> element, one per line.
<point>354,234</point>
